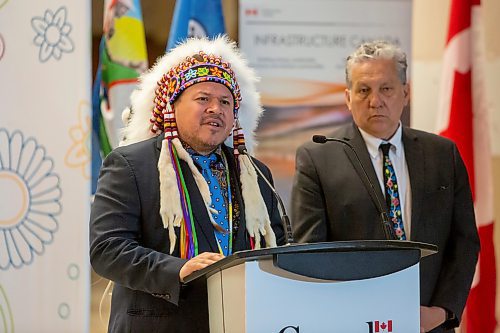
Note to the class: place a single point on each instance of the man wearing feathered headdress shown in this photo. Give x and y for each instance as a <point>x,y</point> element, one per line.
<point>174,198</point>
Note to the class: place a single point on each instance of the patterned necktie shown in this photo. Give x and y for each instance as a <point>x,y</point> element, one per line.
<point>392,193</point>
<point>218,202</point>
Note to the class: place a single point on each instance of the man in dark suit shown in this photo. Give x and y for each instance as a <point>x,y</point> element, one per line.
<point>424,185</point>
<point>174,199</point>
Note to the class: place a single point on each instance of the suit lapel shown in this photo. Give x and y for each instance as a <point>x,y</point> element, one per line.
<point>414,155</point>
<point>356,140</point>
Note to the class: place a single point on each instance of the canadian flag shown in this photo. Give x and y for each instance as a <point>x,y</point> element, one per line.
<point>382,327</point>
<point>463,117</point>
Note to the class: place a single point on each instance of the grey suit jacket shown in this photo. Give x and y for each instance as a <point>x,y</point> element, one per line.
<point>331,202</point>
<point>129,245</point>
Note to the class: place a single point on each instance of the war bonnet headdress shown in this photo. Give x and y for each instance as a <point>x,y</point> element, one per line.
<point>194,61</point>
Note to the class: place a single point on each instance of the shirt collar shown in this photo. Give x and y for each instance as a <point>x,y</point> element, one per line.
<point>373,143</point>
<point>191,151</point>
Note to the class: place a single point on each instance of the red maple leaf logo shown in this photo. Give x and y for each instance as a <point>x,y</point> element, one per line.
<point>381,326</point>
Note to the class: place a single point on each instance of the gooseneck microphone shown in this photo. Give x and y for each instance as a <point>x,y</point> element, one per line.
<point>386,225</point>
<point>284,217</point>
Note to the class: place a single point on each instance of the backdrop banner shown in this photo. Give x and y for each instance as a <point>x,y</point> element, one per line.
<point>44,165</point>
<point>299,48</point>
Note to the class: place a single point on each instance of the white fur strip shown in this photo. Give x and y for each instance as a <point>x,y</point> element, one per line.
<point>257,218</point>
<point>170,201</point>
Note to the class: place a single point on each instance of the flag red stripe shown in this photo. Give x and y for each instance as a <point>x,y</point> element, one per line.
<point>481,301</point>
<point>460,125</point>
<point>459,17</point>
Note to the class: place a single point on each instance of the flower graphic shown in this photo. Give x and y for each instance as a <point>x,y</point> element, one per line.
<point>30,196</point>
<point>78,155</point>
<point>172,85</point>
<point>203,71</point>
<point>228,77</point>
<point>190,74</point>
<point>52,32</point>
<point>216,72</point>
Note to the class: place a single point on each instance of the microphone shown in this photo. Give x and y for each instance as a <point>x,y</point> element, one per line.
<point>386,225</point>
<point>284,217</point>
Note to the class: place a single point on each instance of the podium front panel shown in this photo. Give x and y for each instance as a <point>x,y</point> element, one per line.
<point>257,297</point>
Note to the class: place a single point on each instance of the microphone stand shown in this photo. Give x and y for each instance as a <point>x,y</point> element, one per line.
<point>386,225</point>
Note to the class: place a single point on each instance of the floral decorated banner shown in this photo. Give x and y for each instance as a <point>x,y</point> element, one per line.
<point>44,165</point>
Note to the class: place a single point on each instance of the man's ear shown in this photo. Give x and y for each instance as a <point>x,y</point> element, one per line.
<point>347,97</point>
<point>406,92</point>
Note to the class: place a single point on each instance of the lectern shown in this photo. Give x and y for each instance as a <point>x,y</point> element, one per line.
<point>351,286</point>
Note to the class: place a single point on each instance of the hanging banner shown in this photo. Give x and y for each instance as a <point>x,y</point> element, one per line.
<point>299,48</point>
<point>122,58</point>
<point>195,18</point>
<point>45,68</point>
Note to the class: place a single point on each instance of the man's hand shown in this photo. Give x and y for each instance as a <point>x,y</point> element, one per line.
<point>196,263</point>
<point>431,317</point>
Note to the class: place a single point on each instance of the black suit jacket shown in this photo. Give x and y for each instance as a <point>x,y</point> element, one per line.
<point>129,245</point>
<point>331,202</point>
